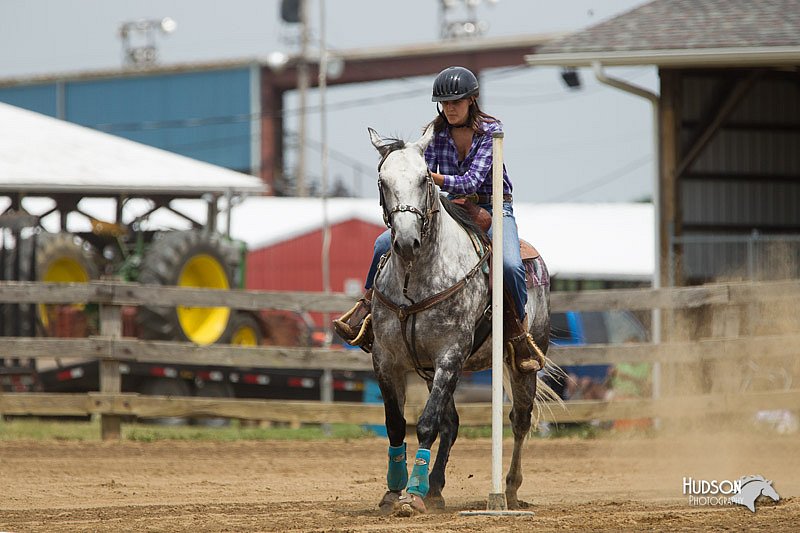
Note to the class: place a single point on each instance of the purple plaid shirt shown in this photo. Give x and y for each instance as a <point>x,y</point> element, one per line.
<point>474,173</point>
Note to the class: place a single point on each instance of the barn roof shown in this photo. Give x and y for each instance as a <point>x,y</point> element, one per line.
<point>43,155</point>
<point>686,33</point>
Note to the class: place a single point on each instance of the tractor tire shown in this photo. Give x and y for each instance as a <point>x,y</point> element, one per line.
<point>185,259</point>
<point>245,330</point>
<point>63,258</point>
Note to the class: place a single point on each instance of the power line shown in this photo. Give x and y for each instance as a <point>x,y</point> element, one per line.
<point>603,180</point>
<point>245,117</point>
<point>241,118</point>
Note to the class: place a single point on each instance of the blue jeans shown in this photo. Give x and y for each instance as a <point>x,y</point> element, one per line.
<point>513,269</point>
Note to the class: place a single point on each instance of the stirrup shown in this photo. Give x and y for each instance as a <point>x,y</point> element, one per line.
<point>535,360</point>
<point>364,337</point>
<point>342,327</point>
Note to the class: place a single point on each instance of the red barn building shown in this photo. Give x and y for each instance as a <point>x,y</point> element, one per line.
<point>295,264</point>
<point>284,239</point>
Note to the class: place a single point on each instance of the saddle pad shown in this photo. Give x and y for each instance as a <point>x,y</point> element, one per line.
<point>535,272</point>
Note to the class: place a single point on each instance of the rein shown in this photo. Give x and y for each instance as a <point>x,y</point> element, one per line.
<point>403,312</point>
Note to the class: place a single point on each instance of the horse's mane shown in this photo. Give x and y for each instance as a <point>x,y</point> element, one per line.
<point>747,479</point>
<point>459,214</point>
<point>389,145</point>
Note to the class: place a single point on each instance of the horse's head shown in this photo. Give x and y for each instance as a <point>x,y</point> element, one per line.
<point>408,194</point>
<point>769,491</point>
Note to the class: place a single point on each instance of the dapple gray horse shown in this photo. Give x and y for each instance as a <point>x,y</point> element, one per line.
<point>430,291</point>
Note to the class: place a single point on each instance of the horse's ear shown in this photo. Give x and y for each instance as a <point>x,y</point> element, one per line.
<point>378,142</point>
<point>427,137</point>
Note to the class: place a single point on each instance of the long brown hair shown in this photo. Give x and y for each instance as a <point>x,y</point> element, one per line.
<point>475,118</point>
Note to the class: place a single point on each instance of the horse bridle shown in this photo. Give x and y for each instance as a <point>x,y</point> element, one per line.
<point>431,205</point>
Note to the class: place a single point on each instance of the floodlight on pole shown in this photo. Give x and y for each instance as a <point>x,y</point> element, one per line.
<point>143,52</point>
<point>277,61</point>
<point>466,26</point>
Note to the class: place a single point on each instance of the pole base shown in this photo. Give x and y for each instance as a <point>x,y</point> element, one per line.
<point>497,502</point>
<point>496,506</point>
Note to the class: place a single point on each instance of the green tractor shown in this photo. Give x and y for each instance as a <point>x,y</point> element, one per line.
<point>69,238</point>
<point>196,257</point>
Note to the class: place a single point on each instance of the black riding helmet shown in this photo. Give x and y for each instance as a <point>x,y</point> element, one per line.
<point>454,83</point>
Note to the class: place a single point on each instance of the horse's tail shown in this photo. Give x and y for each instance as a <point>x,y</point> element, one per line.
<point>545,397</point>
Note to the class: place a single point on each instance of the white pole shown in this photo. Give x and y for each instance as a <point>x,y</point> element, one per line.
<point>602,77</point>
<point>497,504</point>
<point>323,86</point>
<point>327,375</point>
<point>497,499</point>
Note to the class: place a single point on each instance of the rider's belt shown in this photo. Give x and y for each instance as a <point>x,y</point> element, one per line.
<point>487,198</point>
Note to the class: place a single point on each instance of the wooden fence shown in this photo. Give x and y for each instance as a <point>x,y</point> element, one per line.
<point>110,349</point>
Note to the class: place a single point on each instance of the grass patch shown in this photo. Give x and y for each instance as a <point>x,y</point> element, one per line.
<point>36,429</point>
<point>234,432</point>
<point>57,430</point>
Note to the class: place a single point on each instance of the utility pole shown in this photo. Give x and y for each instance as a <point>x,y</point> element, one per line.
<point>302,89</point>
<point>323,85</point>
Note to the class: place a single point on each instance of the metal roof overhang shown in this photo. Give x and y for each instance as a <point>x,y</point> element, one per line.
<point>131,191</point>
<point>774,56</point>
<point>41,155</point>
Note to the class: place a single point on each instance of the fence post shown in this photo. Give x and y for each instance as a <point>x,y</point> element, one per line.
<point>326,392</point>
<point>110,377</point>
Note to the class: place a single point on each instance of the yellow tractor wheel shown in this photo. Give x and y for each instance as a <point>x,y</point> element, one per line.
<point>245,330</point>
<point>63,258</point>
<point>185,259</point>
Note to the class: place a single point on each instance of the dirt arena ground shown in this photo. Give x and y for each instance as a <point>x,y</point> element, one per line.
<point>605,484</point>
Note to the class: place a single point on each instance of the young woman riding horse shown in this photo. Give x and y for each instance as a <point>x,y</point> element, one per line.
<point>432,295</point>
<point>460,163</point>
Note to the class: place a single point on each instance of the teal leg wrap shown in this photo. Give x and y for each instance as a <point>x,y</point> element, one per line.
<point>397,475</point>
<point>418,484</point>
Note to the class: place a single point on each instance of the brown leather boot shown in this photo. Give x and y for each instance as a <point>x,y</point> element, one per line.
<point>355,326</point>
<point>524,354</point>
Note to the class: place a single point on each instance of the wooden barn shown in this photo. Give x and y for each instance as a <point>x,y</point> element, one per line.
<point>726,128</point>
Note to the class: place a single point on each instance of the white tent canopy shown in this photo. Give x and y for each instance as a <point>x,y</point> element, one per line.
<point>40,154</point>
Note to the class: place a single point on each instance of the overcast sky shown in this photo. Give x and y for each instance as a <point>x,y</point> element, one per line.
<point>590,145</point>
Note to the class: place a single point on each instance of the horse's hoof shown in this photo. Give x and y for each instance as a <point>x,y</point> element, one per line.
<point>388,502</point>
<point>515,504</point>
<point>409,505</point>
<point>434,502</point>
